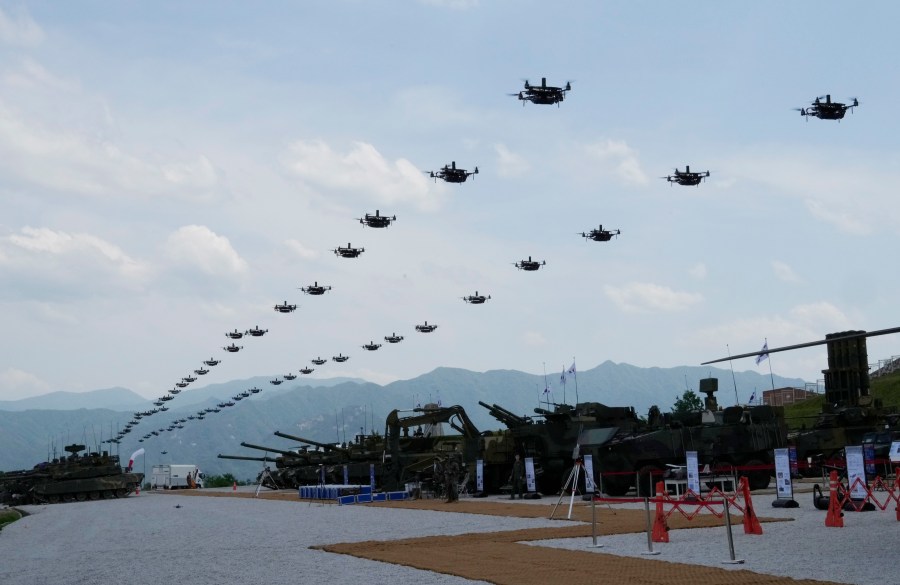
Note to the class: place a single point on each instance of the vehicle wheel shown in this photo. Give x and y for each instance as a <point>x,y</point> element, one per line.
<point>108,494</point>
<point>68,498</point>
<point>81,496</point>
<point>95,495</point>
<point>648,475</point>
<point>54,499</point>
<point>758,479</point>
<point>121,493</point>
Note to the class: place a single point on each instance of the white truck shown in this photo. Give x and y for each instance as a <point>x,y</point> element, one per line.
<point>174,477</point>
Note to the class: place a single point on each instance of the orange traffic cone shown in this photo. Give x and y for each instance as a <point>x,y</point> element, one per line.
<point>137,491</point>
<point>234,486</point>
<point>751,522</point>
<point>897,490</point>
<point>835,517</point>
<point>660,527</point>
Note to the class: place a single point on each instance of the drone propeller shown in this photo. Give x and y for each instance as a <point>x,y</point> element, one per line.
<point>855,102</point>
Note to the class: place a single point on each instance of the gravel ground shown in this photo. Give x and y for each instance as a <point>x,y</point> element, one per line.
<point>147,539</point>
<point>863,552</point>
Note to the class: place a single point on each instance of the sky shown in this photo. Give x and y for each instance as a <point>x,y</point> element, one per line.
<point>171,171</point>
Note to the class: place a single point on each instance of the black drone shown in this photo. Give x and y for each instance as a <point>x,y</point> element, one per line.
<point>257,332</point>
<point>827,110</point>
<point>201,372</point>
<point>175,390</point>
<point>371,346</point>
<point>223,405</point>
<point>234,334</point>
<point>285,308</point>
<point>543,94</point>
<point>340,358</point>
<point>451,174</point>
<point>426,328</point>
<point>687,178</point>
<point>318,361</point>
<point>348,252</point>
<point>600,234</point>
<point>315,289</point>
<point>305,371</point>
<point>189,379</point>
<point>255,390</point>
<point>529,265</point>
<point>476,299</point>
<point>233,348</point>
<point>212,362</point>
<point>393,338</point>
<point>236,397</point>
<point>182,384</point>
<point>290,376</point>
<point>276,381</point>
<point>377,221</point>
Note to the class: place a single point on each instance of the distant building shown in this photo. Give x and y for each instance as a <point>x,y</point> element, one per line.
<point>785,396</point>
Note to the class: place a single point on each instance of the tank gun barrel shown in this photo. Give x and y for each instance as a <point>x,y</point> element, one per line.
<point>271,450</point>
<point>245,458</point>
<point>506,417</point>
<point>325,446</point>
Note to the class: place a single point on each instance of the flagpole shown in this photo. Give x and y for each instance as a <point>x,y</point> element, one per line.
<point>771,376</point>
<point>575,374</point>
<point>736,399</point>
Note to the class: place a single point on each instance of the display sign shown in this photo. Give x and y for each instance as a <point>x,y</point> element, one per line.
<point>869,456</point>
<point>856,469</point>
<point>795,466</point>
<point>529,474</point>
<point>479,475</point>
<point>589,486</point>
<point>783,485</point>
<point>346,475</point>
<point>372,475</point>
<point>693,475</point>
<point>895,452</point>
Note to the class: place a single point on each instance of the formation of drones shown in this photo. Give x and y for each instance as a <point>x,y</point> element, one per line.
<point>543,94</point>
<point>827,109</point>
<point>451,174</point>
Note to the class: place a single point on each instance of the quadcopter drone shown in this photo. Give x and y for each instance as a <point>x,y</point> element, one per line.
<point>371,346</point>
<point>348,252</point>
<point>315,289</point>
<point>476,299</point>
<point>600,234</point>
<point>687,178</point>
<point>285,308</point>
<point>543,94</point>
<point>529,265</point>
<point>426,328</point>
<point>827,110</point>
<point>377,221</point>
<point>393,338</point>
<point>451,174</point>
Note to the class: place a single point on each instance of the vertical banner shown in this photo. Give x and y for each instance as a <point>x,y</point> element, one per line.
<point>783,485</point>
<point>529,474</point>
<point>895,452</point>
<point>372,475</point>
<point>693,475</point>
<point>346,475</point>
<point>869,456</point>
<point>795,467</point>
<point>322,475</point>
<point>856,469</point>
<point>479,475</point>
<point>589,486</point>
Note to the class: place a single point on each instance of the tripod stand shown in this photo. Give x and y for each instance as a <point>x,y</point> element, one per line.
<point>263,476</point>
<point>571,483</point>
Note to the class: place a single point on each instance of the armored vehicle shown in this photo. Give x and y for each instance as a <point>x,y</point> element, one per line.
<point>552,438</point>
<point>90,476</point>
<point>741,437</point>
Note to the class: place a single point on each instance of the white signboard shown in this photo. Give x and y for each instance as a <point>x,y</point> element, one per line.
<point>346,475</point>
<point>895,452</point>
<point>479,475</point>
<point>856,468</point>
<point>372,475</point>
<point>529,474</point>
<point>589,487</point>
<point>784,487</point>
<point>693,475</point>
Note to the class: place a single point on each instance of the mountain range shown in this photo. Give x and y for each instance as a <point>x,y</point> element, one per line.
<point>332,410</point>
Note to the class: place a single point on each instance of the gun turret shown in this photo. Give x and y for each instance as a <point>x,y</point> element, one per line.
<point>245,458</point>
<point>272,450</point>
<point>506,417</point>
<point>325,446</point>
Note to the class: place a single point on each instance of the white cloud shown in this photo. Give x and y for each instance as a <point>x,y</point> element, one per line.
<point>300,250</point>
<point>198,247</point>
<point>534,339</point>
<point>32,75</point>
<point>20,29</point>
<point>362,171</point>
<point>784,272</point>
<point>614,157</point>
<point>644,297</point>
<point>73,261</point>
<point>509,164</point>
<point>17,384</point>
<point>698,271</point>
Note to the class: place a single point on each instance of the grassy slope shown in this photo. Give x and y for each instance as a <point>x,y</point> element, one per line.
<point>887,388</point>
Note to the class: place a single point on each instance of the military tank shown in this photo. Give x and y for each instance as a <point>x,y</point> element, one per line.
<point>91,476</point>
<point>736,437</point>
<point>551,437</point>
